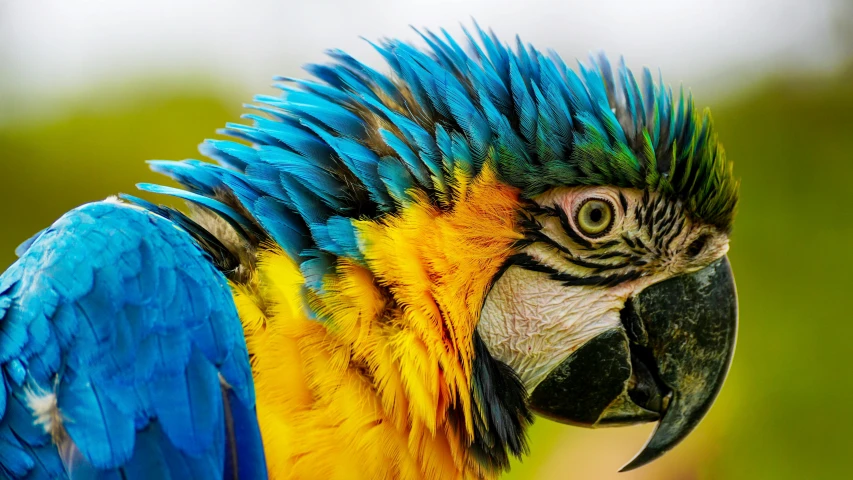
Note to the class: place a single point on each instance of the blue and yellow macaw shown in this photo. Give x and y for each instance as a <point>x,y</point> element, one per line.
<point>384,276</point>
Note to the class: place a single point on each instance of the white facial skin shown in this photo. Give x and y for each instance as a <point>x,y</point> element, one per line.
<point>533,321</point>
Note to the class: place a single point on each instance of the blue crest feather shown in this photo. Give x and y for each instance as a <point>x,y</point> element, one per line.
<point>355,143</point>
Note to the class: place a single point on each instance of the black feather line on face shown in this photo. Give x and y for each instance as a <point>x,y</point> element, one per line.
<point>648,209</point>
<point>539,237</point>
<point>569,256</point>
<point>568,229</point>
<point>609,255</point>
<point>608,244</point>
<point>501,415</point>
<point>662,239</point>
<point>640,245</point>
<point>527,262</point>
<point>624,202</point>
<point>598,267</point>
<point>674,234</point>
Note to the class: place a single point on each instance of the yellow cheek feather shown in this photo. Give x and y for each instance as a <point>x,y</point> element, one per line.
<point>364,390</point>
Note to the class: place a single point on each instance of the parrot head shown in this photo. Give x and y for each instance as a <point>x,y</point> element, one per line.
<point>597,215</point>
<point>486,234</point>
<point>619,309</point>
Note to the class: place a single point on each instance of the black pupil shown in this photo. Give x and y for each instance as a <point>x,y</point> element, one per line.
<point>596,215</point>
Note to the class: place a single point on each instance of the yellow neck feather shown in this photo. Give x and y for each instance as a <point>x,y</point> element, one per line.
<point>379,386</point>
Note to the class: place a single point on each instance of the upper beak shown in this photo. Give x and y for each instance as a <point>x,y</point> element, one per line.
<point>691,322</point>
<point>667,364</point>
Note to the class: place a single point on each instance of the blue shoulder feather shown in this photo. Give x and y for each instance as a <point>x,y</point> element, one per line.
<point>119,340</point>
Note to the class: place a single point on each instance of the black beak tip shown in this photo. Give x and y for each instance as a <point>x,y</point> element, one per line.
<point>692,323</point>
<point>646,456</point>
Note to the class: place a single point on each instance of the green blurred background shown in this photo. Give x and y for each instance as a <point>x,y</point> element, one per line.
<point>785,410</point>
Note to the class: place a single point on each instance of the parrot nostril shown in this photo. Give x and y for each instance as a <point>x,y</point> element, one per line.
<point>697,246</point>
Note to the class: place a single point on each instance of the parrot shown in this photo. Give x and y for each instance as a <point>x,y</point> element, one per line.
<point>384,275</point>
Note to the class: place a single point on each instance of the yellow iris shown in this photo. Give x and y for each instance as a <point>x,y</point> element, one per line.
<point>595,217</point>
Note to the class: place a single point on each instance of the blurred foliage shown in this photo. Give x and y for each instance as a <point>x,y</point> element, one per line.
<point>793,146</point>
<point>784,411</point>
<point>91,149</point>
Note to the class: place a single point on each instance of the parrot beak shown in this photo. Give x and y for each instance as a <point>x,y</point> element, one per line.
<point>691,326</point>
<point>668,363</point>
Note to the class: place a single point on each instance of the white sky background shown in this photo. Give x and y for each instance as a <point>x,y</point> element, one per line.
<point>52,48</point>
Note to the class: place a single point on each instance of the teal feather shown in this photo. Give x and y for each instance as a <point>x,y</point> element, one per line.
<point>522,59</point>
<point>334,116</point>
<point>317,265</point>
<point>470,120</point>
<point>445,146</point>
<point>408,71</point>
<point>476,52</point>
<point>547,145</point>
<point>444,53</point>
<point>461,152</point>
<point>430,77</point>
<point>635,117</point>
<point>326,73</point>
<point>311,175</point>
<point>238,221</point>
<point>296,138</point>
<point>340,238</point>
<point>199,175</point>
<point>414,164</point>
<point>364,164</point>
<point>397,178</point>
<point>284,225</point>
<point>267,179</point>
<point>322,149</point>
<point>525,108</point>
<point>353,69</point>
<point>325,91</point>
<point>497,53</point>
<point>228,153</point>
<point>246,133</point>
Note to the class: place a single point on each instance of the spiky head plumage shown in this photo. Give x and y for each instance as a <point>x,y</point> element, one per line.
<point>359,143</point>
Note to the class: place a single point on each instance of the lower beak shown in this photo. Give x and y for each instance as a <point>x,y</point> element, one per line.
<point>667,363</point>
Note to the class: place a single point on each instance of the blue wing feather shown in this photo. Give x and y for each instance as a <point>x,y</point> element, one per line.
<point>115,329</point>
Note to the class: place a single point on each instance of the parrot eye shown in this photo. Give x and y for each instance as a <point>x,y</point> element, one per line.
<point>594,217</point>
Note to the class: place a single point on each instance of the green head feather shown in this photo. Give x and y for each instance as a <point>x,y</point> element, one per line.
<point>358,143</point>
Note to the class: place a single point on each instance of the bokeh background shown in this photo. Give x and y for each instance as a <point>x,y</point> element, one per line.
<point>90,89</point>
